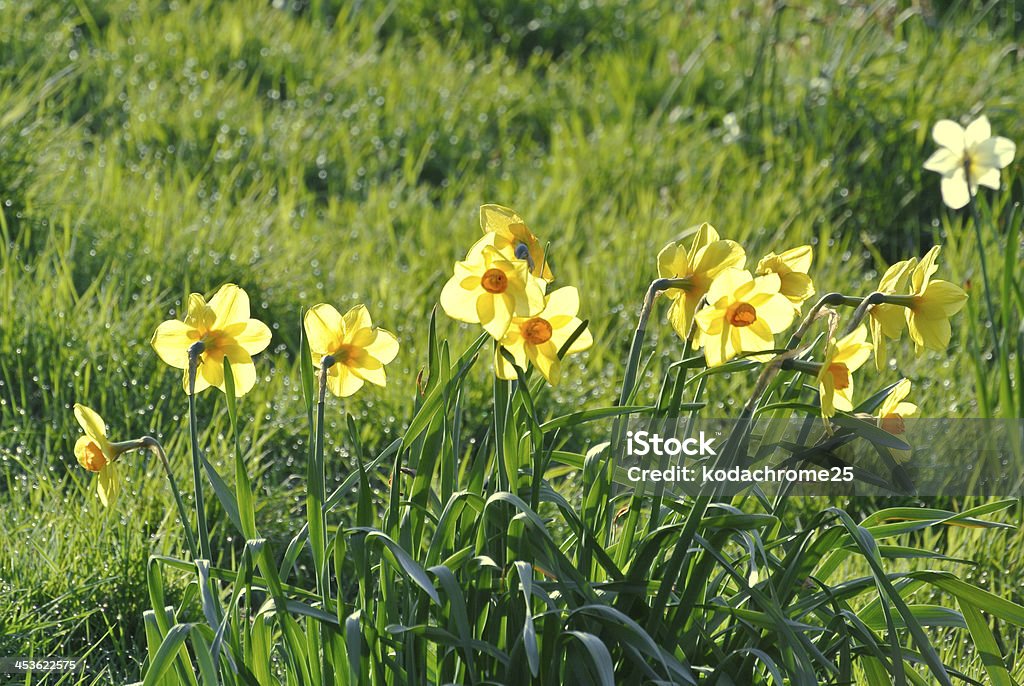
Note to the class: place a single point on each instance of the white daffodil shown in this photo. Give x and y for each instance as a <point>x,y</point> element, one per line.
<point>968,158</point>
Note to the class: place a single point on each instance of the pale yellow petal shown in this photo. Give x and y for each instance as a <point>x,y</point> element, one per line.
<point>564,301</point>
<point>458,302</point>
<point>495,313</point>
<point>341,382</point>
<point>944,161</point>
<point>954,190</point>
<point>357,318</point>
<point>545,359</point>
<point>940,299</point>
<point>171,341</point>
<point>230,304</point>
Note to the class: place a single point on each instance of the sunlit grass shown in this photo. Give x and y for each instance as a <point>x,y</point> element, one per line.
<point>311,156</point>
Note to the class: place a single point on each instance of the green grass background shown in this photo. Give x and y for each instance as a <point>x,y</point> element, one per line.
<point>316,151</point>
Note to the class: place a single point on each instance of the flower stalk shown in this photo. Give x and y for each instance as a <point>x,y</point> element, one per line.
<point>194,352</point>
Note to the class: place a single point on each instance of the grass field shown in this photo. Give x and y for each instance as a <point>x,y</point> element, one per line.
<point>319,151</point>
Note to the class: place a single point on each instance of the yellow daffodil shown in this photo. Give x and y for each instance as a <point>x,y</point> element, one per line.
<point>540,337</point>
<point>968,158</point>
<point>743,315</point>
<point>932,303</point>
<point>513,237</point>
<point>887,321</point>
<point>708,256</point>
<point>792,267</point>
<point>892,413</point>
<point>359,350</point>
<point>224,328</point>
<point>490,289</point>
<point>835,379</point>
<point>97,454</point>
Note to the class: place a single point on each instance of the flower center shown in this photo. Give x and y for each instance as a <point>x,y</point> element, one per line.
<point>536,331</point>
<point>94,460</point>
<point>894,424</point>
<point>840,375</point>
<point>741,314</point>
<point>345,353</point>
<point>494,281</point>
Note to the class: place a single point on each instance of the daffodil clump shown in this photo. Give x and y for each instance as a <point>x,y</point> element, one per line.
<point>502,285</point>
<point>717,305</point>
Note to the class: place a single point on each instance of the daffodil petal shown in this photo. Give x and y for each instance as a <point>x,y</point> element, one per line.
<point>357,318</point>
<point>254,336</point>
<point>231,306</point>
<point>977,131</point>
<point>108,485</point>
<point>458,302</point>
<point>171,341</point>
<point>949,134</point>
<point>90,421</point>
<point>944,161</point>
<point>954,190</point>
<point>342,382</point>
<point>545,359</point>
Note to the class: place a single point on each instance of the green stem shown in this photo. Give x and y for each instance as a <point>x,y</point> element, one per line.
<point>633,362</point>
<point>197,481</point>
<point>317,485</point>
<point>154,445</point>
<point>867,303</point>
<point>989,305</point>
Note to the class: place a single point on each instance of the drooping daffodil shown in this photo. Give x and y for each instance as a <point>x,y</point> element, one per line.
<point>968,158</point>
<point>707,256</point>
<point>223,329</point>
<point>891,414</point>
<point>743,314</point>
<point>489,288</point>
<point>539,338</point>
<point>887,320</point>
<point>355,349</point>
<point>932,303</point>
<point>97,454</point>
<point>835,379</point>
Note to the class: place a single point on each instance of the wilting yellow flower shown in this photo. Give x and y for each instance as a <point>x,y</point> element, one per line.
<point>792,267</point>
<point>743,315</point>
<point>225,330</point>
<point>489,289</point>
<point>97,454</point>
<point>360,350</point>
<point>513,237</point>
<point>887,321</point>
<point>892,413</point>
<point>540,337</point>
<point>835,380</point>
<point>932,303</point>
<point>968,158</point>
<point>708,256</point>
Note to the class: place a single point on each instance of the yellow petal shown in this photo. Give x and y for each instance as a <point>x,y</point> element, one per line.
<point>563,301</point>
<point>944,161</point>
<point>384,346</point>
<point>242,370</point>
<point>933,334</point>
<point>726,283</point>
<point>357,318</point>
<point>715,345</point>
<point>254,336</point>
<point>545,359</point>
<point>92,424</point>
<point>459,302</point>
<point>705,236</point>
<point>108,485</point>
<point>230,304</point>
<point>502,368</point>
<point>198,314</point>
<point>324,329</point>
<point>996,152</point>
<point>341,382</point>
<point>924,270</point>
<point>495,313</point>
<point>672,262</point>
<point>940,299</point>
<point>171,341</point>
<point>797,287</point>
<point>719,255</point>
<point>211,371</point>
